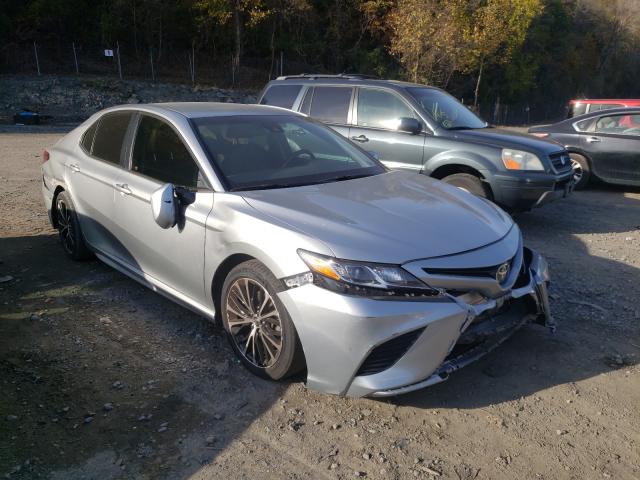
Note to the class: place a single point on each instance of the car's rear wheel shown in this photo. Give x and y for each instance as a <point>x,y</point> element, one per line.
<point>581,170</point>
<point>69,229</point>
<point>258,325</point>
<point>469,183</point>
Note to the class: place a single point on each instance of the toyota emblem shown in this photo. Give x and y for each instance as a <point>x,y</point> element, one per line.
<point>502,272</point>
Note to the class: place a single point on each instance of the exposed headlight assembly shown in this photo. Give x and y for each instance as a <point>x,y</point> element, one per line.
<point>364,279</point>
<point>520,160</point>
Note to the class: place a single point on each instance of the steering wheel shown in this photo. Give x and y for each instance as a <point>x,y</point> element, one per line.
<point>631,131</point>
<point>297,155</point>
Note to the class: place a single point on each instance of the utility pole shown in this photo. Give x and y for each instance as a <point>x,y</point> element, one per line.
<point>75,57</point>
<point>35,50</point>
<point>153,75</point>
<point>119,65</point>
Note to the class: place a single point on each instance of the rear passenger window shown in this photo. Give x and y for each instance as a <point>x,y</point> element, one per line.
<point>159,153</point>
<point>112,128</point>
<point>331,104</point>
<point>281,95</point>
<point>87,138</point>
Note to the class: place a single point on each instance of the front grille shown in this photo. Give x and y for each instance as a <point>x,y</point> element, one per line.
<point>489,272</point>
<point>561,161</point>
<point>388,353</point>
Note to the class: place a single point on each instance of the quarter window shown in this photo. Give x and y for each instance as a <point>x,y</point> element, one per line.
<point>331,104</point>
<point>281,95</point>
<point>112,129</point>
<point>159,153</point>
<point>380,109</point>
<point>87,138</point>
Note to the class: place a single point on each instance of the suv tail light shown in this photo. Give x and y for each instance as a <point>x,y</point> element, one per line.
<point>45,156</point>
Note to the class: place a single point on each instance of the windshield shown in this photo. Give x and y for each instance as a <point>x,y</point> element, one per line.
<point>260,152</point>
<point>445,110</point>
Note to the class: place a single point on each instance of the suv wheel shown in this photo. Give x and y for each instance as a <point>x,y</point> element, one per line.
<point>258,325</point>
<point>469,183</point>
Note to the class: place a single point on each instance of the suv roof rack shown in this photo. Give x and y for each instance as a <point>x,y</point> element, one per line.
<point>313,76</point>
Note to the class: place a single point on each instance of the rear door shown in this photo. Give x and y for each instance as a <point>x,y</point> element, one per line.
<point>331,105</point>
<point>614,147</point>
<point>93,179</point>
<point>376,119</point>
<point>174,256</point>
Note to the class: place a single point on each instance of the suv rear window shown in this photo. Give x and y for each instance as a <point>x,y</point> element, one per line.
<point>112,128</point>
<point>331,104</point>
<point>281,95</point>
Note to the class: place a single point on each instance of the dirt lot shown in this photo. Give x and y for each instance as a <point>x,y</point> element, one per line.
<point>103,379</point>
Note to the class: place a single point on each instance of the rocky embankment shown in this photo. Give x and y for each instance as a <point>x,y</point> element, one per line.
<point>72,99</point>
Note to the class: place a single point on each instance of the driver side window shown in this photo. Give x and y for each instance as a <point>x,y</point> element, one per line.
<point>380,109</point>
<point>159,153</point>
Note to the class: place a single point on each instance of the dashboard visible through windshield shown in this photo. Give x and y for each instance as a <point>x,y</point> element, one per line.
<point>278,151</point>
<point>445,110</point>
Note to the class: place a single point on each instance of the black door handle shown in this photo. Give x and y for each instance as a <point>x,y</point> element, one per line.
<point>360,138</point>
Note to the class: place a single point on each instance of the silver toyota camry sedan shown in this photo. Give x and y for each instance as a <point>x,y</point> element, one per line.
<point>311,254</point>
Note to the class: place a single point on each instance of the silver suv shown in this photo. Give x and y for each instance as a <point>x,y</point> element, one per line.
<point>310,253</point>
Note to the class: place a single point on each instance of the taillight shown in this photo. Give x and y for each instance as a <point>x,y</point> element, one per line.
<point>540,135</point>
<point>45,156</point>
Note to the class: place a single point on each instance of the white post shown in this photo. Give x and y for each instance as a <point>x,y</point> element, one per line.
<point>75,57</point>
<point>35,50</point>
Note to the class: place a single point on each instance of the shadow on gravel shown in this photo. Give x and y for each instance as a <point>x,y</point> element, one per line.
<point>595,292</point>
<point>100,378</point>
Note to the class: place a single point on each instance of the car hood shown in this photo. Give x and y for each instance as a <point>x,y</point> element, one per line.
<point>389,218</point>
<point>507,139</point>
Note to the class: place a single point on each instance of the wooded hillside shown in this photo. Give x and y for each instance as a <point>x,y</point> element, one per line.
<point>530,54</point>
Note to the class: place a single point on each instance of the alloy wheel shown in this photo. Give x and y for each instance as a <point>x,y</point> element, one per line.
<point>65,227</point>
<point>254,322</point>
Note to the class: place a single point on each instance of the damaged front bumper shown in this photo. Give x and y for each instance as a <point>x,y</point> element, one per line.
<point>358,346</point>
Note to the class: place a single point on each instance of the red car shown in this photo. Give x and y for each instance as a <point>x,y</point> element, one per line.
<point>580,107</point>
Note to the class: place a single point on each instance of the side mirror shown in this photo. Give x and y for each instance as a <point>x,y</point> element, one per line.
<point>409,125</point>
<point>163,206</point>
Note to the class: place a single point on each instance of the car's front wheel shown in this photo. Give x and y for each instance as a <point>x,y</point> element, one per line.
<point>469,183</point>
<point>258,325</point>
<point>581,170</point>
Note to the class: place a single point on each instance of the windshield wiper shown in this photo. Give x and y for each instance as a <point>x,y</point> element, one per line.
<point>344,177</point>
<point>461,127</point>
<point>261,186</point>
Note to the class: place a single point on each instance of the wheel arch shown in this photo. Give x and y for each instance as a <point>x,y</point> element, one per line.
<point>54,210</point>
<point>221,273</point>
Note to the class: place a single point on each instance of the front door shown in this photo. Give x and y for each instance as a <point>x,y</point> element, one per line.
<point>614,147</point>
<point>377,117</point>
<point>174,256</point>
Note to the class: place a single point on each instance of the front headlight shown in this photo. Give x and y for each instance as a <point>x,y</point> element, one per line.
<point>364,279</point>
<point>520,160</point>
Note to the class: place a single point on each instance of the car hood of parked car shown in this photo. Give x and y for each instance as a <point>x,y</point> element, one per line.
<point>497,137</point>
<point>393,217</point>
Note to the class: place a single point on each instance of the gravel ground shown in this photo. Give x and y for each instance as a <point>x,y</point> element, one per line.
<point>102,379</point>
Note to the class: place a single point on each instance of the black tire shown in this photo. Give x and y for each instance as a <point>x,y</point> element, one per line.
<point>69,229</point>
<point>581,171</point>
<point>290,358</point>
<point>468,182</point>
